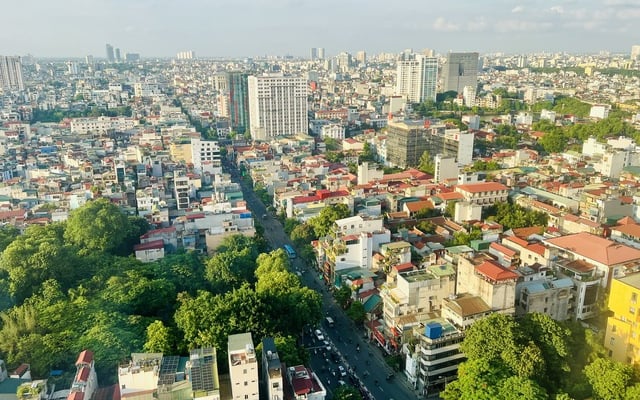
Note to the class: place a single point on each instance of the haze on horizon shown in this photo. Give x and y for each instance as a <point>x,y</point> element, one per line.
<point>239,28</point>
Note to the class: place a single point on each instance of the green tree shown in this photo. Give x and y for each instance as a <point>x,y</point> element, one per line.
<point>323,222</point>
<point>8,234</point>
<point>290,224</point>
<point>302,234</point>
<point>346,392</point>
<point>368,153</point>
<point>229,269</point>
<point>356,312</point>
<point>99,226</point>
<point>554,142</point>
<point>343,296</point>
<point>38,255</point>
<point>159,339</point>
<point>426,163</point>
<point>609,379</point>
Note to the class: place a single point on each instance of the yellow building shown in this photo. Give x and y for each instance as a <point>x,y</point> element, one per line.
<point>622,339</point>
<point>181,152</point>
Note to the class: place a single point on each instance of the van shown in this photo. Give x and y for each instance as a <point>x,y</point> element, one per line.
<point>330,322</point>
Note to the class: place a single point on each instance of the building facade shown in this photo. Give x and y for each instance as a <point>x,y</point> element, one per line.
<point>238,101</point>
<point>11,73</point>
<point>277,105</point>
<point>417,77</point>
<point>460,70</point>
<point>243,367</point>
<point>622,339</point>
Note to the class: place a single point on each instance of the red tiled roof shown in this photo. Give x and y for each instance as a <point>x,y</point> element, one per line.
<point>155,244</point>
<point>495,272</point>
<point>450,196</point>
<point>482,187</point>
<point>415,206</point>
<point>403,267</point>
<point>596,248</point>
<point>83,374</point>
<point>85,357</point>
<point>503,249</point>
<point>75,396</point>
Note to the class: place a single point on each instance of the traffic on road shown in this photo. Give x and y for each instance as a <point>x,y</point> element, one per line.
<point>340,352</point>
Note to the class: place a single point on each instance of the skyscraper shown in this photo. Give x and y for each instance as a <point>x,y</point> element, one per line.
<point>321,53</point>
<point>635,52</point>
<point>11,73</point>
<point>361,57</point>
<point>460,70</point>
<point>110,57</point>
<point>238,101</point>
<point>277,105</point>
<point>314,53</point>
<point>118,58</point>
<point>417,77</point>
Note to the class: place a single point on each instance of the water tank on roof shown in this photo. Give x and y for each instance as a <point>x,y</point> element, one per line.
<point>433,330</point>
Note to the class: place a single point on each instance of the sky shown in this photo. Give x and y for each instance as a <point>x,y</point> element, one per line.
<point>253,28</point>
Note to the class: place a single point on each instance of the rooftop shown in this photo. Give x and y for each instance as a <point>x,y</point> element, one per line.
<point>598,249</point>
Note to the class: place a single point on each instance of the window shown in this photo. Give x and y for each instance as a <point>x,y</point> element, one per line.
<point>632,310</point>
<point>613,329</point>
<point>634,298</point>
<point>246,383</point>
<point>612,342</point>
<point>244,371</point>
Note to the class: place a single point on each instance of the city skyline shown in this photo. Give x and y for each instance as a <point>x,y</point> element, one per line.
<point>161,28</point>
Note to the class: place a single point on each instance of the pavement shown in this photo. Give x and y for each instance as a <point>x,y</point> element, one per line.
<point>350,347</point>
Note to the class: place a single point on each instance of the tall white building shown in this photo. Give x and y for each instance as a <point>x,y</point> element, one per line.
<point>243,367</point>
<point>417,77</point>
<point>11,73</point>
<point>277,105</point>
<point>635,52</point>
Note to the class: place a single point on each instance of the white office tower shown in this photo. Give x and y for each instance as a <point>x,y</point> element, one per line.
<point>243,367</point>
<point>321,53</point>
<point>277,105</point>
<point>635,52</point>
<point>460,70</point>
<point>11,73</point>
<point>417,77</point>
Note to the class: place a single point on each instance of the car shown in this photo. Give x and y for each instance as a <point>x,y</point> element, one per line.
<point>342,383</point>
<point>319,334</point>
<point>343,372</point>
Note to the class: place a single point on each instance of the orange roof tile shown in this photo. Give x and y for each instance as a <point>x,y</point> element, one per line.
<point>596,248</point>
<point>495,272</point>
<point>482,187</point>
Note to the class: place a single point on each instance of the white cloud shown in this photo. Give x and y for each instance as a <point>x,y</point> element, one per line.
<point>477,25</point>
<point>442,25</point>
<point>557,9</point>
<point>517,25</point>
<point>517,9</point>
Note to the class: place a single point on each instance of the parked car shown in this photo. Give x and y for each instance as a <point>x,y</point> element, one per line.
<point>319,335</point>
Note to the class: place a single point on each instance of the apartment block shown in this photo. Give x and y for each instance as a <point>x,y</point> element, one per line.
<point>277,105</point>
<point>85,382</point>
<point>243,367</point>
<point>483,193</point>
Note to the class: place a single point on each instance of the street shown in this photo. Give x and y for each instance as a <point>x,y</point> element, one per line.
<point>353,351</point>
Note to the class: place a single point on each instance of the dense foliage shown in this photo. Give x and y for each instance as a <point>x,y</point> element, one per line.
<point>535,357</point>
<point>65,287</point>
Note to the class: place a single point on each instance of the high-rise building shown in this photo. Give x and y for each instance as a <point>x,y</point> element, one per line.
<point>321,53</point>
<point>635,52</point>
<point>243,367</point>
<point>110,56</point>
<point>237,87</point>
<point>460,70</point>
<point>117,53</point>
<point>88,60</point>
<point>417,77</point>
<point>11,73</point>
<point>314,53</point>
<point>186,55</point>
<point>361,57</point>
<point>277,105</point>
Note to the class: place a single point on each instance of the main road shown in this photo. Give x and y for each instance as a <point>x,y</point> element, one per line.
<point>354,351</point>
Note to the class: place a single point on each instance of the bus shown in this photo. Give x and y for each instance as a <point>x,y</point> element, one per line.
<point>290,251</point>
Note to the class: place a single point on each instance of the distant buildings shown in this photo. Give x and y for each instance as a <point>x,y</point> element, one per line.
<point>277,105</point>
<point>186,55</point>
<point>635,52</point>
<point>460,70</point>
<point>11,73</point>
<point>111,58</point>
<point>417,77</point>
